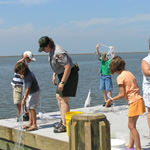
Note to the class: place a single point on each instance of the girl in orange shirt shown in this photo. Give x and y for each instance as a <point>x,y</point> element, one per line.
<point>129,89</point>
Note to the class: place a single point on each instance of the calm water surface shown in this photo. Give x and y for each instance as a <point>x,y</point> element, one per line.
<point>88,79</point>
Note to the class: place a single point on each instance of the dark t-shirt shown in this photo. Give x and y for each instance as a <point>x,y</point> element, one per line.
<point>31,82</point>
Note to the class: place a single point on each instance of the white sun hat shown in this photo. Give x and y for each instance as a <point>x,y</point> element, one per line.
<point>30,55</point>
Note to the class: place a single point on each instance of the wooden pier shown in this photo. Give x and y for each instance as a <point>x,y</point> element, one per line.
<point>11,134</point>
<point>45,139</point>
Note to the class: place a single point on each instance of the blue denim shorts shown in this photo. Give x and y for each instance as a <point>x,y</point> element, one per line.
<point>106,83</point>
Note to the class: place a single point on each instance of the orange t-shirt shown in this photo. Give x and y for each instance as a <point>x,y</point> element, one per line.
<point>132,91</point>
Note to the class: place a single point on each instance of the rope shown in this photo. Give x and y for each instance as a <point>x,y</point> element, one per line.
<point>105,46</point>
<point>110,53</point>
<point>112,106</point>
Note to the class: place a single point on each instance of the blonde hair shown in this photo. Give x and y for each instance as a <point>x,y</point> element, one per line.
<point>117,64</point>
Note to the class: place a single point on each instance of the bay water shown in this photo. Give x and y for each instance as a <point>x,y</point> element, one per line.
<point>89,78</point>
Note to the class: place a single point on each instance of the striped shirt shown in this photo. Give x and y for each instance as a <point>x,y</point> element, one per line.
<point>17,80</point>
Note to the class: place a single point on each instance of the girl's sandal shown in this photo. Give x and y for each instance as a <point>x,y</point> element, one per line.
<point>32,128</point>
<point>25,127</point>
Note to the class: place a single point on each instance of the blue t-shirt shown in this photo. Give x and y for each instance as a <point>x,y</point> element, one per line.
<point>31,82</point>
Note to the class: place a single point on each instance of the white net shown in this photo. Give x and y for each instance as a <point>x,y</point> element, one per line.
<point>110,53</point>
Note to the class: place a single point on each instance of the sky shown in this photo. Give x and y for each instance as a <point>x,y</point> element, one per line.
<point>76,25</point>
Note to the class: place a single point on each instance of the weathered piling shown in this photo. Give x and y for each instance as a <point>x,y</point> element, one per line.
<point>89,131</point>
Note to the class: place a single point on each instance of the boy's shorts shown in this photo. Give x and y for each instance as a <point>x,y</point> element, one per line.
<point>136,108</point>
<point>106,83</point>
<point>32,100</point>
<point>17,94</point>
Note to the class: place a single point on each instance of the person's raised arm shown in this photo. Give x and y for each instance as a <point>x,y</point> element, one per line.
<point>97,50</point>
<point>23,58</point>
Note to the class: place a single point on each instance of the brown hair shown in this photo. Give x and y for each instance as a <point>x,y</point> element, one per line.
<point>51,43</point>
<point>20,67</point>
<point>117,64</point>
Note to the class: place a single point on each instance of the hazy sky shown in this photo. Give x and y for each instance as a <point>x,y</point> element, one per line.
<point>76,25</point>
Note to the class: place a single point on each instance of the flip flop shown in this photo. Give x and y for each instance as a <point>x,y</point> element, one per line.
<point>31,128</point>
<point>26,127</point>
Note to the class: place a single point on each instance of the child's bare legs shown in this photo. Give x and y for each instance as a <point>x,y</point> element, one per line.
<point>18,106</point>
<point>33,118</point>
<point>104,95</point>
<point>148,119</point>
<point>30,119</point>
<point>63,106</point>
<point>134,135</point>
<point>109,93</point>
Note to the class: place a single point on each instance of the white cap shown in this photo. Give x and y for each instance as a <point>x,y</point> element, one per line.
<point>30,55</point>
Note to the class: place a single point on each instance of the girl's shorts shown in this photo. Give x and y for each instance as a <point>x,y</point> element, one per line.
<point>32,100</point>
<point>136,108</point>
<point>70,86</point>
<point>106,83</point>
<point>17,94</point>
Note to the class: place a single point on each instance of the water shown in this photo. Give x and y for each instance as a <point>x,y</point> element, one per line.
<point>88,79</point>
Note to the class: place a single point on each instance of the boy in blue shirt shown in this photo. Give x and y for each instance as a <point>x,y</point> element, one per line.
<point>32,94</point>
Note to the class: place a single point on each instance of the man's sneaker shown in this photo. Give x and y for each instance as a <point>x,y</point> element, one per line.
<point>62,128</point>
<point>56,126</point>
<point>26,117</point>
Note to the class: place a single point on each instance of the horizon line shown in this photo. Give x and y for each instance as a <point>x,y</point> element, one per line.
<point>80,54</point>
